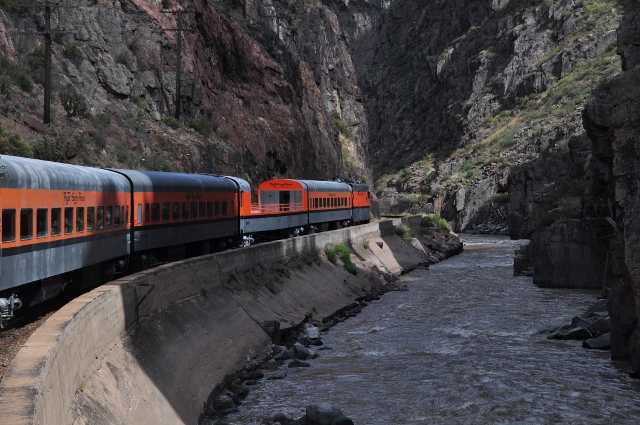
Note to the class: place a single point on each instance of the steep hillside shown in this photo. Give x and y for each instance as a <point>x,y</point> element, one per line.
<point>462,94</point>
<point>255,102</point>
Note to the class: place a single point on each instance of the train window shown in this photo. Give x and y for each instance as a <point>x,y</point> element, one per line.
<point>116,216</point>
<point>26,223</point>
<point>56,217</point>
<point>108,215</point>
<point>194,210</point>
<point>210,209</point>
<point>166,211</point>
<point>217,208</point>
<point>68,220</point>
<point>147,216</point>
<point>155,211</point>
<point>232,208</point>
<point>324,202</point>
<point>100,218</point>
<point>139,213</point>
<point>175,211</point>
<point>91,218</point>
<point>201,210</point>
<point>80,219</point>
<point>126,214</point>
<point>185,210</point>
<point>8,225</point>
<point>224,208</point>
<point>42,216</point>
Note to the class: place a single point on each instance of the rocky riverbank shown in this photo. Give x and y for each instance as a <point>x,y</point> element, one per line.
<point>294,347</point>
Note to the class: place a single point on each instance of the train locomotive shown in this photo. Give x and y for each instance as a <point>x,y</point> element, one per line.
<point>66,226</point>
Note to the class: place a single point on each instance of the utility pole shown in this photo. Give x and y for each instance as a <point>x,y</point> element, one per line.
<point>179,53</point>
<point>47,33</point>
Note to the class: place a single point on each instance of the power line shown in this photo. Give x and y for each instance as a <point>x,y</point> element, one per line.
<point>179,53</point>
<point>47,33</point>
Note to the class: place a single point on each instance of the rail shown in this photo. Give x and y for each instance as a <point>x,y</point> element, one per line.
<point>273,208</point>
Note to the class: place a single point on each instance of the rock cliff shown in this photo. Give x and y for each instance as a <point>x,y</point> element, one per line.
<point>258,98</point>
<point>612,121</point>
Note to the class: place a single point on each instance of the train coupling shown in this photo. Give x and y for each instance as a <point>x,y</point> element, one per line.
<point>247,240</point>
<point>297,232</point>
<point>7,307</point>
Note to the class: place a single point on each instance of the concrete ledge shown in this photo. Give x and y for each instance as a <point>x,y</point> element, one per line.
<point>91,362</point>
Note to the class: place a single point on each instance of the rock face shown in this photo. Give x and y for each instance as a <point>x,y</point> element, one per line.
<point>613,124</point>
<point>277,97</point>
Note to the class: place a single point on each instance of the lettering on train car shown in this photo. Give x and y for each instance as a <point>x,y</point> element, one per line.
<point>193,195</point>
<point>72,197</point>
<point>280,184</point>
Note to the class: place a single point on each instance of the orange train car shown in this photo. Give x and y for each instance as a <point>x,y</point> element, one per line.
<point>57,220</point>
<point>66,226</point>
<point>305,206</point>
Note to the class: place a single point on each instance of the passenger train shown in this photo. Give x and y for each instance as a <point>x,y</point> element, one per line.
<point>67,226</point>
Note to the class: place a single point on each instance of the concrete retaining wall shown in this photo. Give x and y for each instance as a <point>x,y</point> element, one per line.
<point>92,362</point>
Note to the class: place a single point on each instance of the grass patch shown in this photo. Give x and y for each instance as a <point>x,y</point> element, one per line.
<point>405,232</point>
<point>271,286</point>
<point>172,122</point>
<point>341,251</point>
<point>438,222</point>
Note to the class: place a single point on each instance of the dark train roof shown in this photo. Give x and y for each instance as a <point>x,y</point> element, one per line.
<point>27,173</point>
<point>149,181</point>
<point>242,183</point>
<point>325,186</point>
<point>359,187</point>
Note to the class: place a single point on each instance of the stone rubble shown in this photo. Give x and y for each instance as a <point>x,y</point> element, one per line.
<point>593,327</point>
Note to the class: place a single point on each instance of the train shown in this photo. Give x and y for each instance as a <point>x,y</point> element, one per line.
<point>67,226</point>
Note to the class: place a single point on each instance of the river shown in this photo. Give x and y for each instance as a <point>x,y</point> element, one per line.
<point>461,346</point>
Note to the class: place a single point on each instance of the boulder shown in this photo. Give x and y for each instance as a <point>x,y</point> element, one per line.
<point>298,363</point>
<point>322,414</point>
<point>302,352</point>
<point>600,327</point>
<point>603,342</point>
<point>572,333</point>
<point>281,416</point>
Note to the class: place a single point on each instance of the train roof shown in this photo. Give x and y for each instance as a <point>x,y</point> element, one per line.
<point>242,183</point>
<point>308,185</point>
<point>27,173</point>
<point>159,181</point>
<point>325,186</point>
<point>359,187</point>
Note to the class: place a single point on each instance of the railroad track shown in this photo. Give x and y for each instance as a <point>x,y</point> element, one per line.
<point>21,327</point>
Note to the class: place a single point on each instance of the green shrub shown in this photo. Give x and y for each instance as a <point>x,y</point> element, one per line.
<point>331,253</point>
<point>12,144</point>
<point>271,287</point>
<point>125,59</point>
<point>122,153</point>
<point>204,126</point>
<point>172,122</point>
<point>365,244</point>
<point>424,231</point>
<point>438,222</point>
<point>58,148</point>
<point>74,103</point>
<point>35,64</point>
<point>166,4</point>
<point>139,102</point>
<point>405,232</point>
<point>73,52</point>
<point>342,127</point>
<point>345,256</point>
